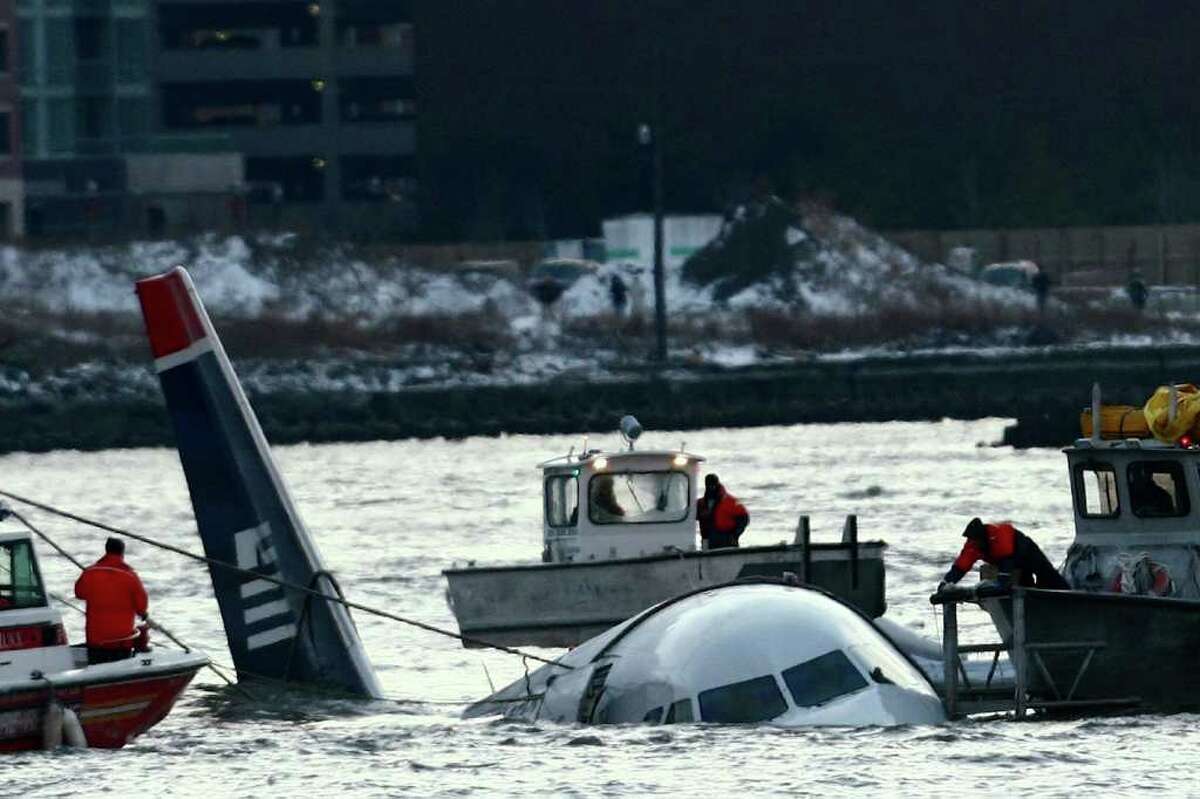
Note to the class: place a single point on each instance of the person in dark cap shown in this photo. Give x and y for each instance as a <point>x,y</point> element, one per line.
<point>1010,551</point>
<point>114,595</point>
<point>722,518</point>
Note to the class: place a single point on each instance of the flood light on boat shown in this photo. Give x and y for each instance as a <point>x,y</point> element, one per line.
<point>1185,442</point>
<point>600,463</point>
<point>680,460</point>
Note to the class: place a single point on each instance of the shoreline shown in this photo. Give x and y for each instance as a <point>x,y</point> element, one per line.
<point>1044,391</point>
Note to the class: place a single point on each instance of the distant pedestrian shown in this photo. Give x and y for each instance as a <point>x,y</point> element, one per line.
<point>637,297</point>
<point>1136,289</point>
<point>1041,287</point>
<point>619,294</point>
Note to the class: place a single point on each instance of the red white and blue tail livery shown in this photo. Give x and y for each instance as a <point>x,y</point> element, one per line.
<point>243,510</point>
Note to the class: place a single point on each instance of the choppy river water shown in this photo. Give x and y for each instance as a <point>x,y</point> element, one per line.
<point>389,516</point>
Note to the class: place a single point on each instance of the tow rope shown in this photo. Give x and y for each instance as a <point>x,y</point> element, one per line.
<point>373,611</point>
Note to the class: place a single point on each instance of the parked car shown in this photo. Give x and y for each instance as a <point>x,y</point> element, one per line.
<point>1017,274</point>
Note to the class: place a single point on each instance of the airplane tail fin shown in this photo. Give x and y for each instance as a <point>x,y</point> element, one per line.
<point>243,509</point>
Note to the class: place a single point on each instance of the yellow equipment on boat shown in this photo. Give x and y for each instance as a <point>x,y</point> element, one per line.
<point>1116,421</point>
<point>1167,425</point>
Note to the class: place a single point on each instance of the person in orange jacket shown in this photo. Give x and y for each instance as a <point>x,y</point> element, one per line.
<point>1009,550</point>
<point>722,518</point>
<point>114,595</point>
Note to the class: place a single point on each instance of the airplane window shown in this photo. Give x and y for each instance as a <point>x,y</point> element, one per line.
<point>743,702</point>
<point>817,681</point>
<point>680,711</point>
<point>654,716</point>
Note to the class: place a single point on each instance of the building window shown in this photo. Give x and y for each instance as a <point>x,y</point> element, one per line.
<point>5,64</point>
<point>378,178</point>
<point>30,129</point>
<point>377,99</point>
<point>249,103</point>
<point>6,133</point>
<point>393,36</point>
<point>279,180</point>
<point>237,26</point>
<point>373,24</point>
<point>89,38</point>
<point>94,114</point>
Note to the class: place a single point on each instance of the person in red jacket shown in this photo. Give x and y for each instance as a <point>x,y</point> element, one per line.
<point>114,595</point>
<point>1009,550</point>
<point>722,518</point>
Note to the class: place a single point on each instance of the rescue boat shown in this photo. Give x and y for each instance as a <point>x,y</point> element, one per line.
<point>1126,633</point>
<point>601,566</point>
<point>49,693</point>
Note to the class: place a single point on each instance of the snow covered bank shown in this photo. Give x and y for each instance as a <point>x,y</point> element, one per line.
<point>778,284</point>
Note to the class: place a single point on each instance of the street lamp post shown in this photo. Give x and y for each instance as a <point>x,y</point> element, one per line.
<point>651,136</point>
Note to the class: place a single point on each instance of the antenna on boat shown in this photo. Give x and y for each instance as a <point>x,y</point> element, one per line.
<point>1174,411</point>
<point>1096,412</point>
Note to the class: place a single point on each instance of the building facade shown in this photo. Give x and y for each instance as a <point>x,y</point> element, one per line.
<point>317,95</point>
<point>92,160</point>
<point>12,193</point>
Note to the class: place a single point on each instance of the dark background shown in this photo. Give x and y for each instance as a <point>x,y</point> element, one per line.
<point>932,115</point>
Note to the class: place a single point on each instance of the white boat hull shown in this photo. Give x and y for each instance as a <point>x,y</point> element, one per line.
<point>564,604</point>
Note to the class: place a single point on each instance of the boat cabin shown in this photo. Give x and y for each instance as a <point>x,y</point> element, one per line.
<point>1139,491</point>
<point>1135,499</point>
<point>26,619</point>
<point>602,506</point>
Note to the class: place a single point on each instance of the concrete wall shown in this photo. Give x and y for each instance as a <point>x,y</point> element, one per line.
<point>1053,386</point>
<point>184,173</point>
<point>1167,254</point>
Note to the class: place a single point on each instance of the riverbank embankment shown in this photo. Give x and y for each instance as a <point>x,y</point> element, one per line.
<point>1044,390</point>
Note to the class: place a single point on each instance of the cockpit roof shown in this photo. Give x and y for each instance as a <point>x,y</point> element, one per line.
<point>615,458</point>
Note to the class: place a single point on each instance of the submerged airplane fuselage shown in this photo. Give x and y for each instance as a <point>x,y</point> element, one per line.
<point>738,653</point>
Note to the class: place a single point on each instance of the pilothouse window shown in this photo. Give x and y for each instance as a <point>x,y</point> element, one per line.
<point>1157,489</point>
<point>638,497</point>
<point>1096,490</point>
<point>20,584</point>
<point>822,679</point>
<point>562,500</point>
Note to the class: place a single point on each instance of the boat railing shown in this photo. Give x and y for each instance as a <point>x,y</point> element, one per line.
<point>849,537</point>
<point>967,699</point>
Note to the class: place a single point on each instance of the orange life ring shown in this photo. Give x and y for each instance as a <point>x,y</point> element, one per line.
<point>1162,585</point>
